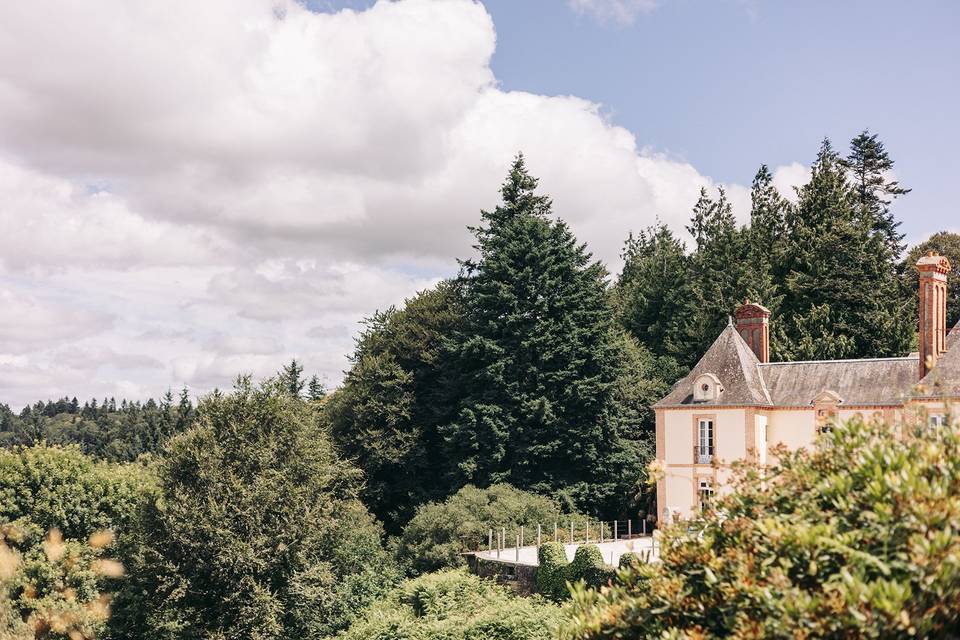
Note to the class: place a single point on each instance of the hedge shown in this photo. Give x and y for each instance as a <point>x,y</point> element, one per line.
<point>555,572</point>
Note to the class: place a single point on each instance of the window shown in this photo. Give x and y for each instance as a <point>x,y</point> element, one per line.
<point>937,420</point>
<point>704,453</point>
<point>704,494</point>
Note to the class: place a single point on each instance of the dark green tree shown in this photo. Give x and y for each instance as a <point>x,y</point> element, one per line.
<point>651,293</point>
<point>538,361</point>
<point>870,166</point>
<point>291,376</point>
<point>315,390</point>
<point>717,269</point>
<point>257,531</point>
<point>385,415</point>
<point>842,296</point>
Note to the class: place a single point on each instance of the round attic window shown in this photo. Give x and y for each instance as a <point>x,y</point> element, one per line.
<point>705,387</point>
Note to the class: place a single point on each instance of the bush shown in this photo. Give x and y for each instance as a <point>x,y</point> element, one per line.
<point>257,531</point>
<point>629,559</point>
<point>58,509</point>
<point>440,533</point>
<point>552,571</point>
<point>588,566</point>
<point>454,605</point>
<point>855,538</point>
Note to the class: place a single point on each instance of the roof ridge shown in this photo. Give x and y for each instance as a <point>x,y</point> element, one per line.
<point>888,359</point>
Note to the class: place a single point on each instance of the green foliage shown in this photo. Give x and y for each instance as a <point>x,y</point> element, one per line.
<point>946,244</point>
<point>57,509</point>
<point>385,416</point>
<point>588,566</point>
<point>552,571</point>
<point>827,267</point>
<point>454,605</point>
<point>257,530</point>
<point>629,559</point>
<point>440,532</point>
<point>538,361</point>
<point>105,430</point>
<point>854,539</point>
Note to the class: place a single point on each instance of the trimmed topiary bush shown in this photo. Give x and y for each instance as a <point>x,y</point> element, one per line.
<point>552,572</point>
<point>588,566</point>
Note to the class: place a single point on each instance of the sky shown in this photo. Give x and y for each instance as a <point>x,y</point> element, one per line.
<point>194,189</point>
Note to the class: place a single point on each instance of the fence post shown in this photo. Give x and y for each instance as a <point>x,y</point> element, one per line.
<point>518,549</point>
<point>644,521</point>
<point>538,536</point>
<point>601,532</point>
<point>629,528</point>
<point>490,539</point>
<point>521,535</point>
<point>571,531</point>
<point>587,534</point>
<point>556,532</point>
<point>503,537</point>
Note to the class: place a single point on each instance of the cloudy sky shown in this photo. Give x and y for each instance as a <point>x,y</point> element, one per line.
<point>196,188</point>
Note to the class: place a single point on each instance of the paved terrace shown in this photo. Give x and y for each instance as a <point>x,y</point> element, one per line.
<point>611,551</point>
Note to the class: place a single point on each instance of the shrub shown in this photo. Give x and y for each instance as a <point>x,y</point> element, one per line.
<point>588,566</point>
<point>440,533</point>
<point>454,605</point>
<point>58,509</point>
<point>552,571</point>
<point>854,538</point>
<point>629,559</point>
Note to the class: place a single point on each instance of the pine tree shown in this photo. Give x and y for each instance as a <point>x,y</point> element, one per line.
<point>651,293</point>
<point>315,390</point>
<point>870,165</point>
<point>842,296</point>
<point>539,359</point>
<point>292,377</point>
<point>716,272</point>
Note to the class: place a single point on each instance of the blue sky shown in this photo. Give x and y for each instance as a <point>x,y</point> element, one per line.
<point>728,85</point>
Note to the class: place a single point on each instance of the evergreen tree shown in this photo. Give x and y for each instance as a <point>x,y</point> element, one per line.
<point>539,359</point>
<point>652,291</point>
<point>842,296</point>
<point>870,165</point>
<point>315,390</point>
<point>292,378</point>
<point>716,273</point>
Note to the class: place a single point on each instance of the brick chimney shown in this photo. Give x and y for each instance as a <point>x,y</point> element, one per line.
<point>753,325</point>
<point>933,269</point>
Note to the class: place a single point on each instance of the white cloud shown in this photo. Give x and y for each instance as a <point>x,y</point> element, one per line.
<point>264,177</point>
<point>620,11</point>
<point>788,178</point>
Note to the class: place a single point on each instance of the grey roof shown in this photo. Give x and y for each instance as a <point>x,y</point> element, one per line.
<point>878,381</point>
<point>735,365</point>
<point>944,379</point>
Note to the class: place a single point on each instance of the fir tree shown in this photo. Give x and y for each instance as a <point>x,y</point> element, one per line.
<point>870,165</point>
<point>651,292</point>
<point>716,272</point>
<point>539,359</point>
<point>315,390</point>
<point>842,296</point>
<point>292,378</point>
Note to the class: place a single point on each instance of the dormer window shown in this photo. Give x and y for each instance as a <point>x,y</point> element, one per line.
<point>826,407</point>
<point>706,388</point>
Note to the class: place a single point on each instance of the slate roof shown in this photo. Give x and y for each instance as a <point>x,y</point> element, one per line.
<point>879,381</point>
<point>945,377</point>
<point>732,360</point>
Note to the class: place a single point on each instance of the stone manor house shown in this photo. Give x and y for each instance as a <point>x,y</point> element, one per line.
<point>735,404</point>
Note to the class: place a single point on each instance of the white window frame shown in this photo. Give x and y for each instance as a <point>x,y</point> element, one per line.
<point>706,440</point>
